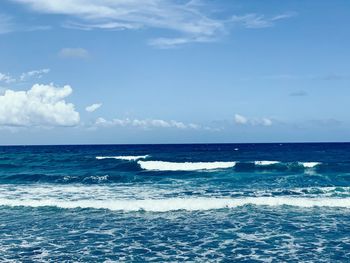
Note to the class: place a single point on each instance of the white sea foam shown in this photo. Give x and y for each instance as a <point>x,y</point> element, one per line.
<point>309,164</point>
<point>125,158</point>
<point>174,204</point>
<point>265,163</point>
<point>185,166</point>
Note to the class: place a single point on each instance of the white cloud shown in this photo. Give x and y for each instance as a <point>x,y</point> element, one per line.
<point>93,107</point>
<point>260,21</point>
<point>239,119</point>
<point>242,120</point>
<point>189,19</point>
<point>164,43</point>
<point>266,122</point>
<point>144,123</point>
<point>2,90</point>
<point>7,78</point>
<point>6,24</point>
<point>34,73</point>
<point>73,53</point>
<point>42,105</point>
<point>126,14</point>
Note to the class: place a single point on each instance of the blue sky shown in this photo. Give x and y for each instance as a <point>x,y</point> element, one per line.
<point>84,71</point>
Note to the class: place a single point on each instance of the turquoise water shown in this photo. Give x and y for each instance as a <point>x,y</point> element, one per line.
<point>196,203</point>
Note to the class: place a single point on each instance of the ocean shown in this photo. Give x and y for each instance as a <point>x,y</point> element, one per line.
<point>175,203</point>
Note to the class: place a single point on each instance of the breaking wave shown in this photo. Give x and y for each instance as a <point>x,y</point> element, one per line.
<point>309,164</point>
<point>184,166</point>
<point>303,164</point>
<point>187,204</point>
<point>125,158</point>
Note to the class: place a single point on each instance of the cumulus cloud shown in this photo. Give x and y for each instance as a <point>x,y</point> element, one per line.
<point>144,123</point>
<point>190,20</point>
<point>93,107</point>
<point>242,120</point>
<point>2,90</point>
<point>42,105</point>
<point>73,53</point>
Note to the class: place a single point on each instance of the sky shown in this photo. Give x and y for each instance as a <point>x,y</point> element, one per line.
<point>174,71</point>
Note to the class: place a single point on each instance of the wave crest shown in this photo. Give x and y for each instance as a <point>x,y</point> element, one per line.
<point>265,163</point>
<point>188,204</point>
<point>184,166</point>
<point>122,157</point>
<point>309,164</point>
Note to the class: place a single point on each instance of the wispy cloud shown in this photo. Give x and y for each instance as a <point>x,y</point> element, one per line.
<point>260,21</point>
<point>330,122</point>
<point>9,24</point>
<point>73,53</point>
<point>7,78</point>
<point>329,76</point>
<point>36,74</point>
<point>332,76</point>
<point>299,93</point>
<point>6,24</point>
<point>190,21</point>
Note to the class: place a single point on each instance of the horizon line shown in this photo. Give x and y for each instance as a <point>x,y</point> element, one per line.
<point>197,143</point>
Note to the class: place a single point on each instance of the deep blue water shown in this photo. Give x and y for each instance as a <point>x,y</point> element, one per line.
<point>195,203</point>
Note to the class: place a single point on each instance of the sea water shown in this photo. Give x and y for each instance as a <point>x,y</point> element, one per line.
<point>195,203</point>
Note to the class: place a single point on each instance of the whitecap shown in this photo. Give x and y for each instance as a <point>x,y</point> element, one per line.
<point>187,204</point>
<point>265,163</point>
<point>123,157</point>
<point>183,166</point>
<point>309,164</point>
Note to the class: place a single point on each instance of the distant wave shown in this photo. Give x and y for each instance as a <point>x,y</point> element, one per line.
<point>265,163</point>
<point>193,166</point>
<point>174,204</point>
<point>304,164</point>
<point>184,166</point>
<point>126,157</point>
